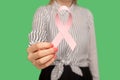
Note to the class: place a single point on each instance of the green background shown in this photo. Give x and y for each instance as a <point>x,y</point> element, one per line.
<point>16,22</point>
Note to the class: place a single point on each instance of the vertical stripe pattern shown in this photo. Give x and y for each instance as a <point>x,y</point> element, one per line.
<point>82,31</point>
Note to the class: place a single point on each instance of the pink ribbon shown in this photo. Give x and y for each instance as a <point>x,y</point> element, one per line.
<point>63,30</point>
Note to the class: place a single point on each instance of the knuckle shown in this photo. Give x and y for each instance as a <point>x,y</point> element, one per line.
<point>37,45</point>
<point>40,67</point>
<point>37,66</point>
<point>48,44</point>
<point>29,57</point>
<point>27,50</point>
<point>34,63</point>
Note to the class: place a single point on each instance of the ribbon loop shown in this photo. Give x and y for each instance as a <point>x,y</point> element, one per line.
<point>63,30</point>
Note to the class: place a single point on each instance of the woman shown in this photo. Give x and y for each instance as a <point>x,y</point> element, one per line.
<point>61,63</point>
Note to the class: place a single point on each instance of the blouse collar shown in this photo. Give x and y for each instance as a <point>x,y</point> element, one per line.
<point>56,5</point>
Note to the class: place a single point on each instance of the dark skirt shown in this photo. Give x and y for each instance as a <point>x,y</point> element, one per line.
<point>67,74</point>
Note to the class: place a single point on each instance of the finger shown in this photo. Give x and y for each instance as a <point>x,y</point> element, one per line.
<point>31,58</point>
<point>45,59</point>
<point>37,46</point>
<point>43,53</point>
<point>47,63</point>
<point>36,65</point>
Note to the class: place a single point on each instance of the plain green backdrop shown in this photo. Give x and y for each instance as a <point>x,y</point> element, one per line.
<point>16,22</point>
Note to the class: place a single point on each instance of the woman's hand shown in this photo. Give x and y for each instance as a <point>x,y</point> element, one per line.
<point>41,54</point>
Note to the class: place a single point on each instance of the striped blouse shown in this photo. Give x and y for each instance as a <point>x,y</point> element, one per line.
<point>82,31</point>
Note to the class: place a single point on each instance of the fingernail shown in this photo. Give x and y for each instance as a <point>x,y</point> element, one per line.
<point>51,45</point>
<point>55,49</point>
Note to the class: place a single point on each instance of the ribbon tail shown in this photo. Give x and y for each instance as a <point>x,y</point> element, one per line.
<point>57,39</point>
<point>76,70</point>
<point>57,72</point>
<point>70,41</point>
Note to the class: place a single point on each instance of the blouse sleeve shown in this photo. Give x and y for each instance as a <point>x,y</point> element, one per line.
<point>38,33</point>
<point>93,60</point>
